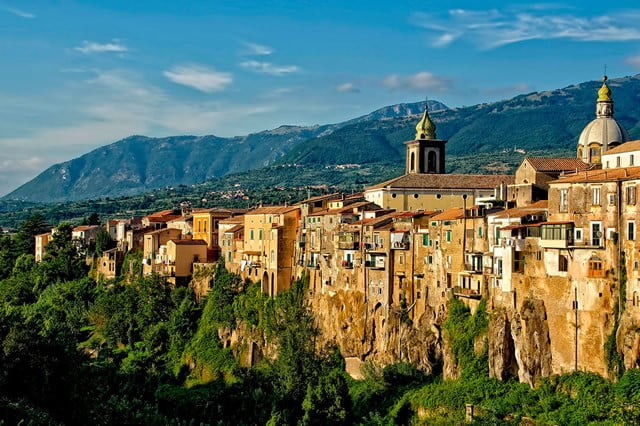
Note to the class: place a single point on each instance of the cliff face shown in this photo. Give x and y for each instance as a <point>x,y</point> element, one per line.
<point>369,335</point>
<point>628,338</point>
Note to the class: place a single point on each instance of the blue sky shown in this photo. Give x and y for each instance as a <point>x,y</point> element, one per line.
<point>77,75</point>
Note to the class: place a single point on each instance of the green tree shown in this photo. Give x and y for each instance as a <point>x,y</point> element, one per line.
<point>103,242</point>
<point>25,237</point>
<point>328,401</point>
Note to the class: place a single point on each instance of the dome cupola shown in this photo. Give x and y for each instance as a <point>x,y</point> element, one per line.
<point>603,132</point>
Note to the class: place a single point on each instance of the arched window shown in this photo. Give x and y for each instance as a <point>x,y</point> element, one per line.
<point>580,152</point>
<point>431,162</point>
<point>412,166</point>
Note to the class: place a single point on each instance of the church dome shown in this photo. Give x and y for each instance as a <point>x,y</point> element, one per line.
<point>602,133</point>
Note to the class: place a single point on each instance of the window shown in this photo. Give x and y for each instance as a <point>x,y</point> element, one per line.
<point>595,268</point>
<point>595,196</point>
<point>631,160</point>
<point>497,233</point>
<point>631,230</point>
<point>480,231</point>
<point>448,236</point>
<point>260,234</point>
<point>251,234</point>
<point>596,233</point>
<point>612,199</point>
<point>425,240</point>
<point>430,260</point>
<point>564,198</point>
<point>578,234</point>
<point>563,263</point>
<point>618,161</point>
<point>631,194</point>
<point>394,195</point>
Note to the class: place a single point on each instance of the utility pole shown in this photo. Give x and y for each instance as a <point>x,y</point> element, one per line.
<point>575,310</point>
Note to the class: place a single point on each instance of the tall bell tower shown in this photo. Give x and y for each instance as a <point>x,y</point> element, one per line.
<point>425,154</point>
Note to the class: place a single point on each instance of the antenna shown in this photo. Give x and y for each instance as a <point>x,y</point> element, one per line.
<point>605,72</point>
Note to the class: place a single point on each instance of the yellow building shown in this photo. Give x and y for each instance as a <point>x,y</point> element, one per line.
<point>181,255</point>
<point>205,227</point>
<point>152,259</point>
<point>269,238</point>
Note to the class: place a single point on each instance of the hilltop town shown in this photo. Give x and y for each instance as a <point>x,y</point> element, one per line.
<point>550,252</point>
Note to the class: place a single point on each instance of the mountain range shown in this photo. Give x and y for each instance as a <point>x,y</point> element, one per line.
<point>544,122</point>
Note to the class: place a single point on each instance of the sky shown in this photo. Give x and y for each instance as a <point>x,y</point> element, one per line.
<point>75,75</point>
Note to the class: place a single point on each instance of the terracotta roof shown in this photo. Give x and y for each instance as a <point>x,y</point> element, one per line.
<point>273,210</point>
<point>535,208</point>
<point>600,175</point>
<point>556,164</point>
<point>216,210</point>
<point>445,181</point>
<point>234,229</point>
<point>233,219</point>
<point>625,147</point>
<point>189,242</point>
<point>161,213</point>
<point>335,195</point>
<point>85,228</point>
<point>165,218</point>
<point>160,231</point>
<point>450,214</point>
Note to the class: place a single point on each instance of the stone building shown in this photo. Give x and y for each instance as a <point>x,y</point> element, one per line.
<point>426,186</point>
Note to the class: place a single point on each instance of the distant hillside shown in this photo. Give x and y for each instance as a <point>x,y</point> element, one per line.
<point>541,122</point>
<point>138,163</point>
<point>535,121</point>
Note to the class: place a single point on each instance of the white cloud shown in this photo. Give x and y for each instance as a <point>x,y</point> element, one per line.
<point>423,80</point>
<point>88,47</point>
<point>107,106</point>
<point>258,49</point>
<point>347,88</point>
<point>634,61</point>
<point>269,68</point>
<point>200,78</point>
<point>494,28</point>
<point>19,12</point>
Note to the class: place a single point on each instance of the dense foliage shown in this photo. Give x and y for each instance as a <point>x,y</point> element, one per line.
<point>136,350</point>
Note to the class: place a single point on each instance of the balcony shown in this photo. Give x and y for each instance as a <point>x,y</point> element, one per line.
<point>556,235</point>
<point>375,264</point>
<point>347,264</point>
<point>348,245</point>
<point>400,245</point>
<point>475,268</point>
<point>470,293</point>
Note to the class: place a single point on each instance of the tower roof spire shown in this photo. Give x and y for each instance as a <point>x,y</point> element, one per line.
<point>604,94</point>
<point>425,129</point>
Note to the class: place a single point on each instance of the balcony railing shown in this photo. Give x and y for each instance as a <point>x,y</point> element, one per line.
<point>347,264</point>
<point>400,245</point>
<point>471,293</point>
<point>473,267</point>
<point>348,245</point>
